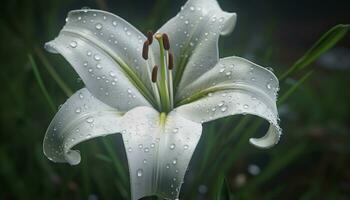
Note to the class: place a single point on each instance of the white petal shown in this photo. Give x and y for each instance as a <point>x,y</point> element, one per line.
<point>194,35</point>
<point>158,154</point>
<point>80,118</point>
<point>238,87</point>
<point>98,45</point>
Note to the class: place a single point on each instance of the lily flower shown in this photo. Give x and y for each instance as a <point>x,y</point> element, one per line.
<point>155,90</point>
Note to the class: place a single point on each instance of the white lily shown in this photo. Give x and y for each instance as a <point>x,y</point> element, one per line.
<point>159,114</point>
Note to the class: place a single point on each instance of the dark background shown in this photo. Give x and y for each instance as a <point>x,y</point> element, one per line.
<point>312,160</point>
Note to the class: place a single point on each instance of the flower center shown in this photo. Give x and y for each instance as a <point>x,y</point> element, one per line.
<point>162,81</point>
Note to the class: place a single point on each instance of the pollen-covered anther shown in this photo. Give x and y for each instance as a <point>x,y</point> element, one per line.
<point>170,61</point>
<point>154,73</point>
<point>150,37</point>
<point>166,42</point>
<point>145,50</point>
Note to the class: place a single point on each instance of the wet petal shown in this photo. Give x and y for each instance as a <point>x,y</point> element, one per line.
<point>194,35</point>
<point>235,86</point>
<point>105,50</point>
<point>80,118</point>
<point>158,152</point>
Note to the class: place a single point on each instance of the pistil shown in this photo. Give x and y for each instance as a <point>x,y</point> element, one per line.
<point>163,84</point>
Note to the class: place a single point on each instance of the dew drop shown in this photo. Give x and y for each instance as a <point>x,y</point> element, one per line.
<point>146,150</point>
<point>98,26</point>
<point>88,53</point>
<point>114,23</point>
<point>98,66</point>
<point>90,120</point>
<point>192,8</point>
<point>73,44</point>
<point>175,130</point>
<point>139,172</point>
<point>223,109</point>
<point>187,22</point>
<point>153,145</point>
<point>186,146</point>
<point>97,57</point>
<point>140,146</point>
<point>172,146</point>
<point>269,86</point>
<point>78,110</point>
<point>174,162</point>
<point>245,106</point>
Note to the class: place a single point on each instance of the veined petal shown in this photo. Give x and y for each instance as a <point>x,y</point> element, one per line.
<point>234,86</point>
<point>80,118</point>
<point>194,35</point>
<point>105,50</point>
<point>158,149</point>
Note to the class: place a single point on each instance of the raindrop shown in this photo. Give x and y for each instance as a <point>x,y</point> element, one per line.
<point>139,172</point>
<point>222,70</point>
<point>228,73</point>
<point>174,162</point>
<point>114,23</point>
<point>130,149</point>
<point>144,161</point>
<point>90,120</point>
<point>97,57</point>
<point>187,22</point>
<point>172,146</point>
<point>186,146</point>
<point>98,26</point>
<point>146,150</point>
<point>85,64</point>
<point>245,106</point>
<point>153,145</point>
<point>78,110</point>
<point>140,146</point>
<point>223,109</point>
<point>88,53</point>
<point>167,166</point>
<point>269,86</point>
<point>192,8</point>
<point>73,44</point>
<point>98,66</point>
<point>81,95</point>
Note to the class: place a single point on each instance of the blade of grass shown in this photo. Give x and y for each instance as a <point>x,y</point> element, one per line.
<point>41,84</point>
<point>326,42</point>
<point>295,86</point>
<point>53,72</point>
<point>116,161</point>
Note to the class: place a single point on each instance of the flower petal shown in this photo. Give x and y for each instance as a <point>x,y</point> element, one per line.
<point>194,35</point>
<point>80,118</point>
<point>105,50</point>
<point>234,86</point>
<point>158,150</point>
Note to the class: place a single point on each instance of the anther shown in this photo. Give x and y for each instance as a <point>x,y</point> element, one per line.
<point>145,49</point>
<point>154,73</point>
<point>171,61</point>
<point>150,37</point>
<point>166,42</point>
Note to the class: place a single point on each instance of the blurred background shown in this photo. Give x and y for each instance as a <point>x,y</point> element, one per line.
<point>312,161</point>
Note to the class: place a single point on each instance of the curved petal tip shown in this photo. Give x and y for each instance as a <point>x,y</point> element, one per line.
<point>269,140</point>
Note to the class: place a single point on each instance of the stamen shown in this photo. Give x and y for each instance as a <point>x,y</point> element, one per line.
<point>150,37</point>
<point>170,61</point>
<point>145,50</point>
<point>154,73</point>
<point>166,41</point>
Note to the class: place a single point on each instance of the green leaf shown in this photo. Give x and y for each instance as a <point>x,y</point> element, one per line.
<point>224,192</point>
<point>326,42</point>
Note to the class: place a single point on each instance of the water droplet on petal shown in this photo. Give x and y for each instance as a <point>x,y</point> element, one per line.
<point>73,44</point>
<point>90,120</point>
<point>97,57</point>
<point>172,146</point>
<point>146,150</point>
<point>78,110</point>
<point>175,130</point>
<point>139,172</point>
<point>269,86</point>
<point>223,109</point>
<point>245,106</point>
<point>186,146</point>
<point>98,26</point>
<point>192,8</point>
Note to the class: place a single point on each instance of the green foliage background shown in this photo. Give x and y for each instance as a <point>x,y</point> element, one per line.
<point>311,161</point>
